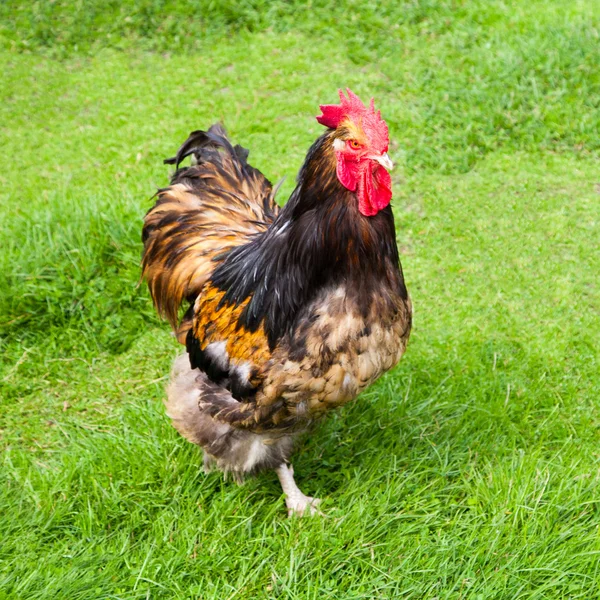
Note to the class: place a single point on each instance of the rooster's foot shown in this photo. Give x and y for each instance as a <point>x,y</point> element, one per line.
<point>297,503</point>
<point>303,505</point>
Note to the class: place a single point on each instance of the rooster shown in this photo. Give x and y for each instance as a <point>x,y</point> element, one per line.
<point>292,311</point>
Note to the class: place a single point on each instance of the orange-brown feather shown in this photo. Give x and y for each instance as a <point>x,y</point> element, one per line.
<point>209,209</point>
<point>217,321</point>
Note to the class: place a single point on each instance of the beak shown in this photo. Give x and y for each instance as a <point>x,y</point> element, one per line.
<point>385,161</point>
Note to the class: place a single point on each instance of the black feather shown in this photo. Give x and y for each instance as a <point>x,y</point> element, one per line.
<point>319,239</point>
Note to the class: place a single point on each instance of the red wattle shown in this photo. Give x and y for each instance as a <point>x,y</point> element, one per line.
<point>347,172</point>
<point>373,187</point>
<point>382,188</point>
<point>374,191</point>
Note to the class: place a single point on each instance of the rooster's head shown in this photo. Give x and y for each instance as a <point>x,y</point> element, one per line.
<point>360,144</point>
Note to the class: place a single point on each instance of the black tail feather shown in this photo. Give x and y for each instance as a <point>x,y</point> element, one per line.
<point>215,137</point>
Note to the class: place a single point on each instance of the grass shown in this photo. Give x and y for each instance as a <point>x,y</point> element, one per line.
<point>471,470</point>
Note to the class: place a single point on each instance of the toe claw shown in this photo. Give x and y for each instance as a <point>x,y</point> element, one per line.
<point>303,507</point>
<point>297,503</point>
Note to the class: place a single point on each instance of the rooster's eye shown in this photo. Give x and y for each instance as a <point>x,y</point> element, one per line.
<point>354,144</point>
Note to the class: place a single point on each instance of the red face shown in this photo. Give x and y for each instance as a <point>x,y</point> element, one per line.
<point>361,151</point>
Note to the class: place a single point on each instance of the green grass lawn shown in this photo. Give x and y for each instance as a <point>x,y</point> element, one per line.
<point>472,470</point>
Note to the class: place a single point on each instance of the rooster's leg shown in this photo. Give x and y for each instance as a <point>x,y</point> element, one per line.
<point>296,502</point>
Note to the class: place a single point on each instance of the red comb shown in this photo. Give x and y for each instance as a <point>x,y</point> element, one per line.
<point>366,117</point>
<point>350,108</point>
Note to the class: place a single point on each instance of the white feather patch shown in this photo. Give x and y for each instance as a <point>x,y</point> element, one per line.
<point>243,371</point>
<point>255,453</point>
<point>217,352</point>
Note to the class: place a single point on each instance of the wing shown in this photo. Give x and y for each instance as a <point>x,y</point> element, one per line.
<point>334,353</point>
<point>211,207</point>
<point>227,352</point>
